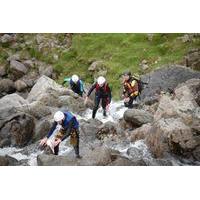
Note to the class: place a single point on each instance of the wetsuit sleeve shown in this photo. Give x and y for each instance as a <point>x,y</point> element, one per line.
<point>91,89</point>
<point>68,130</point>
<point>66,80</point>
<point>52,129</point>
<point>82,86</point>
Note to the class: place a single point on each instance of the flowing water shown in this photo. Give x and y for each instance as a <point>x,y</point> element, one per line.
<point>116,111</point>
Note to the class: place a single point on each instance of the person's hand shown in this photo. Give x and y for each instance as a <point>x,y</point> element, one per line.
<point>107,107</point>
<point>86,99</point>
<point>57,142</point>
<point>43,141</point>
<point>127,99</point>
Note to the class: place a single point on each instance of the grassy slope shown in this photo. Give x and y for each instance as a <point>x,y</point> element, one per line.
<point>118,51</point>
<point>121,52</point>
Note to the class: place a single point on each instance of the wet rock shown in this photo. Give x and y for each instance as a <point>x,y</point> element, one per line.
<point>41,129</point>
<point>107,129</point>
<point>16,128</point>
<point>97,157</point>
<point>183,104</point>
<point>140,133</point>
<point>171,135</point>
<point>122,161</point>
<point>138,117</point>
<point>89,130</point>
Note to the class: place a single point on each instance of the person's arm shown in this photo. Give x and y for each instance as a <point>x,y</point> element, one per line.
<point>82,86</point>
<point>134,85</point>
<point>52,130</point>
<point>66,80</point>
<point>67,130</point>
<point>91,89</point>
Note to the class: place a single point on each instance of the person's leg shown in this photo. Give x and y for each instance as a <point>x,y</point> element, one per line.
<point>76,146</point>
<point>104,103</point>
<point>130,103</point>
<point>96,106</point>
<point>56,150</point>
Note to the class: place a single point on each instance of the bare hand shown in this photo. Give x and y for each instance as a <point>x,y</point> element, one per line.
<point>107,107</point>
<point>86,99</point>
<point>43,141</point>
<point>127,99</point>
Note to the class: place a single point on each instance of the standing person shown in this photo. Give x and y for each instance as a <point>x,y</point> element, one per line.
<point>130,89</point>
<point>103,94</point>
<point>76,84</point>
<point>66,125</point>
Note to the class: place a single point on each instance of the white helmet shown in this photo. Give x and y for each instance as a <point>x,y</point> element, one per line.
<point>75,78</point>
<point>101,80</point>
<point>59,116</point>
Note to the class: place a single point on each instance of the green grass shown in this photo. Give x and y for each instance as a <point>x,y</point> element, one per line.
<point>118,51</point>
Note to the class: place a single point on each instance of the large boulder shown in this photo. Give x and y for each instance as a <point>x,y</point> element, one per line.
<point>41,129</point>
<point>165,79</point>
<point>8,161</point>
<point>16,127</point>
<point>17,69</point>
<point>100,156</point>
<point>89,130</point>
<point>138,117</point>
<point>7,86</point>
<point>171,135</point>
<point>48,92</point>
<point>183,104</point>
<point>36,109</point>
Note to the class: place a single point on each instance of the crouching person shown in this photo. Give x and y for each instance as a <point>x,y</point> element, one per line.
<point>65,125</point>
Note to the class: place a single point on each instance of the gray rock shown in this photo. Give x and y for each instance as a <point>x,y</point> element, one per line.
<point>171,135</point>
<point>47,91</point>
<point>20,85</point>
<point>6,87</point>
<point>192,59</point>
<point>165,79</point>
<point>46,70</point>
<point>100,156</point>
<point>2,71</point>
<point>6,39</point>
<point>16,128</point>
<point>17,69</point>
<point>138,117</point>
<point>41,129</point>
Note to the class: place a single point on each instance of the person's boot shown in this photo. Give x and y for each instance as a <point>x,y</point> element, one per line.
<point>78,156</point>
<point>93,114</point>
<point>104,113</point>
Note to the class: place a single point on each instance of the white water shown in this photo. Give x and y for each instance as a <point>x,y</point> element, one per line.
<point>116,112</point>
